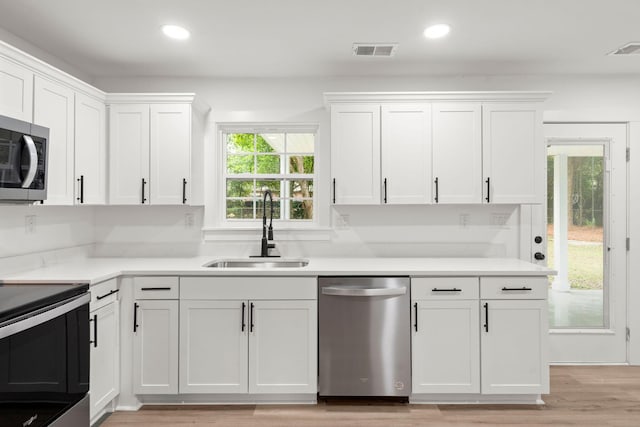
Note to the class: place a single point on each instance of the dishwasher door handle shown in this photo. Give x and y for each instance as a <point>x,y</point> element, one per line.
<point>347,291</point>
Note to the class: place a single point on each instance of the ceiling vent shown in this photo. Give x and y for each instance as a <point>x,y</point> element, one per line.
<point>628,49</point>
<point>375,49</point>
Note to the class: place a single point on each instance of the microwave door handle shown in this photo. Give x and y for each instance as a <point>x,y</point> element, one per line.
<point>33,161</point>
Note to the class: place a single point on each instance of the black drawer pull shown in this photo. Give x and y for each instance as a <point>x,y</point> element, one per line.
<point>156,289</point>
<point>446,290</point>
<point>99,297</point>
<point>184,191</point>
<point>486,317</point>
<point>517,289</point>
<point>135,316</point>
<point>95,330</point>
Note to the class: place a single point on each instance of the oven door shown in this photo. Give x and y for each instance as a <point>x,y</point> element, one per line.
<point>44,364</point>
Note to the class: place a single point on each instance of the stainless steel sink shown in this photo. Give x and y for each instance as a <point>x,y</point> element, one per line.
<point>259,263</point>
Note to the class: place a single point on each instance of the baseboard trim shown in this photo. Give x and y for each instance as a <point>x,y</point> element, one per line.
<point>477,399</point>
<point>228,399</point>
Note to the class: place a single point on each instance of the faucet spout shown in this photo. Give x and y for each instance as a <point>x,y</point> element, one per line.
<point>267,232</point>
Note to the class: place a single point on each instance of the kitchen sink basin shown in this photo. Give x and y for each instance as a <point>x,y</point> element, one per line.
<point>259,263</point>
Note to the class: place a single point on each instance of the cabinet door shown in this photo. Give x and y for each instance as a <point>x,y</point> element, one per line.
<point>355,154</point>
<point>105,357</point>
<point>446,347</point>
<point>16,91</point>
<point>155,347</point>
<point>406,153</point>
<point>170,154</point>
<point>128,154</point>
<point>213,346</point>
<point>457,152</point>
<point>283,347</point>
<point>514,349</point>
<point>91,159</point>
<point>513,153</point>
<point>53,108</point>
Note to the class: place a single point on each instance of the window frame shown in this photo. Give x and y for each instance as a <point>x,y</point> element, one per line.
<point>266,128</point>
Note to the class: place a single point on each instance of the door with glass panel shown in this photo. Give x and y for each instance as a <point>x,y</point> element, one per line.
<point>586,227</point>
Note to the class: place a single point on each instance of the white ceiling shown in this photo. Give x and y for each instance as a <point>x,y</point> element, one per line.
<point>283,38</point>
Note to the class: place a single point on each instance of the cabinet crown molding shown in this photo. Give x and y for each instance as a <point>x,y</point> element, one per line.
<point>159,98</point>
<point>477,96</point>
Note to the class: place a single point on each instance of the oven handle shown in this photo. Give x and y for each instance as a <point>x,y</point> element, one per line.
<point>33,161</point>
<point>346,291</point>
<point>44,315</point>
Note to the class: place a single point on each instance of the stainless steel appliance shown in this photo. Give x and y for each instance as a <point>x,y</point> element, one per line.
<point>23,161</point>
<point>364,336</point>
<point>44,355</point>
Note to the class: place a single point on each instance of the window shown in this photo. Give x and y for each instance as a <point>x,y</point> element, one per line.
<point>281,161</point>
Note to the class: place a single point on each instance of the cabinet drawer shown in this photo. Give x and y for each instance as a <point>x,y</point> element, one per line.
<point>513,287</point>
<point>255,288</point>
<point>103,293</point>
<point>161,287</point>
<point>444,288</point>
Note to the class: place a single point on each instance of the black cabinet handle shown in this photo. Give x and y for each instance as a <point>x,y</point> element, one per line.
<point>415,308</point>
<point>446,290</point>
<point>243,325</point>
<point>135,316</point>
<point>516,289</point>
<point>81,181</point>
<point>436,182</point>
<point>99,297</point>
<point>184,191</point>
<point>95,330</point>
<point>155,289</point>
<point>251,318</point>
<point>144,199</point>
<point>385,190</point>
<point>486,317</point>
<point>334,191</point>
<point>488,198</point>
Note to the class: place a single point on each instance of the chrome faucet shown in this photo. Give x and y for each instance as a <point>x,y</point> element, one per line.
<point>267,233</point>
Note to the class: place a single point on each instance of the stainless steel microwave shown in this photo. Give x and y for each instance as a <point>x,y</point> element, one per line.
<point>23,161</point>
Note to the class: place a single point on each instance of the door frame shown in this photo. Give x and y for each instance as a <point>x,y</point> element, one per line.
<point>608,344</point>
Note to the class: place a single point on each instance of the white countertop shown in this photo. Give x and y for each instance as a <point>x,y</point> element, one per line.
<point>96,270</point>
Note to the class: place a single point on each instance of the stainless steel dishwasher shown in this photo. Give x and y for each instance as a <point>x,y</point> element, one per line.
<point>364,336</point>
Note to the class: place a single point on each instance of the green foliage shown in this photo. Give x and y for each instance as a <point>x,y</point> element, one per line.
<point>586,264</point>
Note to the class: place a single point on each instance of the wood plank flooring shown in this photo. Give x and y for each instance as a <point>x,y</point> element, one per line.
<point>580,396</point>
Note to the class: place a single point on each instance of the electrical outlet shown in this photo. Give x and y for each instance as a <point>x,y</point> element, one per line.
<point>342,221</point>
<point>464,220</point>
<point>29,224</point>
<point>189,220</point>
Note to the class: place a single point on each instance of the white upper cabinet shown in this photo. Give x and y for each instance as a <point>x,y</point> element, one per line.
<point>457,152</point>
<point>406,153</point>
<point>90,151</point>
<point>16,91</point>
<point>170,154</point>
<point>513,153</point>
<point>156,149</point>
<point>129,154</point>
<point>355,154</point>
<point>53,107</point>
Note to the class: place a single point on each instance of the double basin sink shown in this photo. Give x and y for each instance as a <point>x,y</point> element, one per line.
<point>259,263</point>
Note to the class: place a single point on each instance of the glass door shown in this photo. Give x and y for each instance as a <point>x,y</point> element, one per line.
<point>586,231</point>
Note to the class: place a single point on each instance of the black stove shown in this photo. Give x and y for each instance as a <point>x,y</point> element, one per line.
<point>44,355</point>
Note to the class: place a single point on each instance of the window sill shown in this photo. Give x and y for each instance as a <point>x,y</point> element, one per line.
<point>212,234</point>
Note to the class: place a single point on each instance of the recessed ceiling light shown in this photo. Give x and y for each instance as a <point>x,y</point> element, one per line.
<point>437,31</point>
<point>175,32</point>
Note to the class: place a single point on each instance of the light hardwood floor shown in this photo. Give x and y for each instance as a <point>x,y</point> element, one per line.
<point>580,396</point>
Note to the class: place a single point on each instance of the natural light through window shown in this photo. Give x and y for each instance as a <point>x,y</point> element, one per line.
<point>281,161</point>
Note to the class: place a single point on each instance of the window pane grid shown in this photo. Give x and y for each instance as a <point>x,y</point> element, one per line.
<point>260,160</point>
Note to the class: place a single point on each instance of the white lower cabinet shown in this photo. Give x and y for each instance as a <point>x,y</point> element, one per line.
<point>446,342</point>
<point>514,336</point>
<point>105,357</point>
<point>233,340</point>
<point>446,347</point>
<point>155,347</point>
